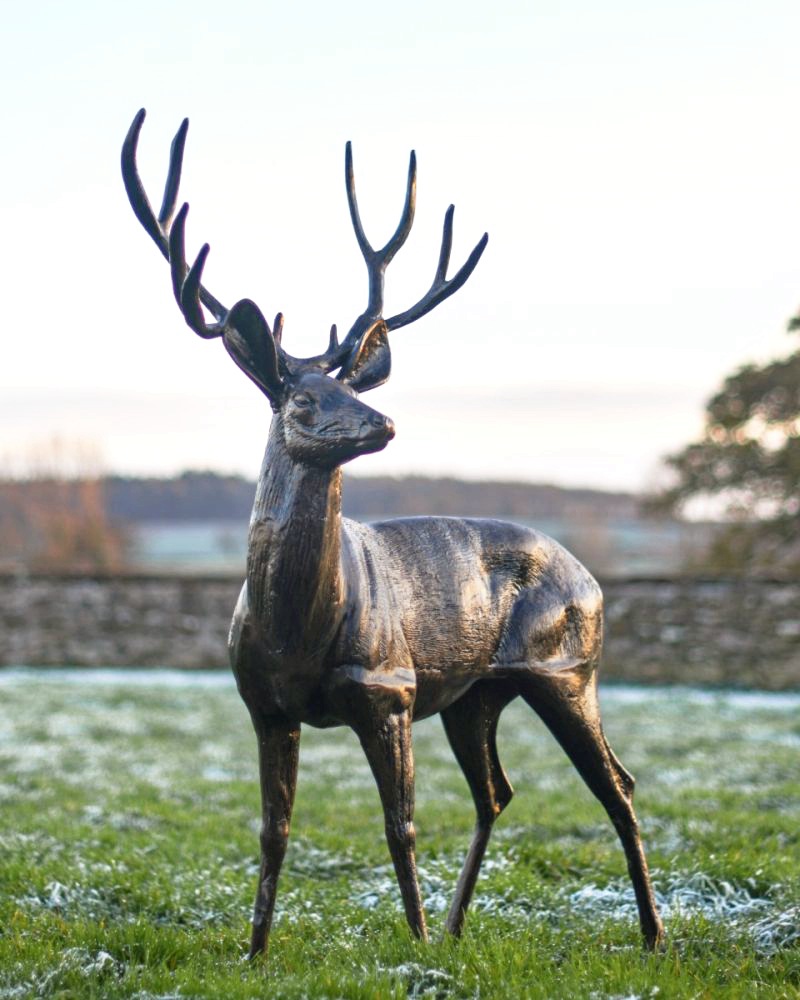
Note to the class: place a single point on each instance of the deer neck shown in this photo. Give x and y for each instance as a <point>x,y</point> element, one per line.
<point>294,575</point>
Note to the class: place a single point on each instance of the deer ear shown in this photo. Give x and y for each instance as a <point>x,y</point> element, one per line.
<point>370,363</point>
<point>249,341</point>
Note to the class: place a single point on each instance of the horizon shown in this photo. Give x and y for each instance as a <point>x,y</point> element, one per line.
<point>103,474</point>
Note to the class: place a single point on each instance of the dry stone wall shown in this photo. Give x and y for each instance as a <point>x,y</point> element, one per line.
<point>115,621</point>
<point>744,633</point>
<point>733,632</point>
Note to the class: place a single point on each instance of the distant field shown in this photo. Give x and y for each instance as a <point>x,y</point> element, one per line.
<point>128,839</point>
<point>608,545</point>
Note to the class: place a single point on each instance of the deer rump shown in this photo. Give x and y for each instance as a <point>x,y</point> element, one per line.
<point>432,605</point>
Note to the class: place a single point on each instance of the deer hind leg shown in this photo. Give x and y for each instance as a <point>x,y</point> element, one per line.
<point>471,727</point>
<point>387,745</point>
<point>567,703</point>
<point>278,752</point>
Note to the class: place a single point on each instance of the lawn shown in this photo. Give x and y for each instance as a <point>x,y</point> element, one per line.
<point>128,850</point>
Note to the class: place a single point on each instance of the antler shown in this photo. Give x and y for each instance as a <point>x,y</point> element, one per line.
<point>169,237</point>
<point>190,294</point>
<point>245,332</point>
<point>364,355</point>
<point>371,322</point>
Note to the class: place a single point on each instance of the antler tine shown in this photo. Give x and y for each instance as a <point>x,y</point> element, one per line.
<point>134,188</point>
<point>377,260</point>
<point>158,228</point>
<point>352,202</point>
<point>333,343</point>
<point>190,301</point>
<point>186,282</point>
<point>173,176</point>
<point>441,287</point>
<point>447,245</point>
<point>407,218</point>
<point>177,252</point>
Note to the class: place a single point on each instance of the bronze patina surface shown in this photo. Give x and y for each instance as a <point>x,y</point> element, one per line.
<point>374,626</point>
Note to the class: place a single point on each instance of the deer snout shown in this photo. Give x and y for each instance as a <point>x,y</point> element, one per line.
<point>377,423</point>
<point>376,431</point>
<point>382,423</point>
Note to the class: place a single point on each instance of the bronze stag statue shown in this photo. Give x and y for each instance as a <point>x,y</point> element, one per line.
<point>374,626</point>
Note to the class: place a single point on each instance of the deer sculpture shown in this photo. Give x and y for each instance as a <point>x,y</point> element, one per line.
<point>375,626</point>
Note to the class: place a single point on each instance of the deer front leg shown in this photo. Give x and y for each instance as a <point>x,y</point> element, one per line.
<point>387,744</point>
<point>278,751</point>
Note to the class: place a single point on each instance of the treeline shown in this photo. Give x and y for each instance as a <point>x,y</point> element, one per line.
<point>88,522</point>
<point>207,496</point>
<point>191,496</point>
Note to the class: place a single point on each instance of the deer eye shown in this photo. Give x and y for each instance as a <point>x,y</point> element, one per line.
<point>302,400</point>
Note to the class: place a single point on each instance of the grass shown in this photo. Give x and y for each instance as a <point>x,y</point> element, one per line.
<point>128,839</point>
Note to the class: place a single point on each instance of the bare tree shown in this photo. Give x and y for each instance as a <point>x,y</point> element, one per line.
<point>53,512</point>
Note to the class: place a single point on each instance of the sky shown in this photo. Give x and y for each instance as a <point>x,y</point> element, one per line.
<point>636,165</point>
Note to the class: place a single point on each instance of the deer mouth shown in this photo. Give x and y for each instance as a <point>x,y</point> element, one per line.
<point>375,435</point>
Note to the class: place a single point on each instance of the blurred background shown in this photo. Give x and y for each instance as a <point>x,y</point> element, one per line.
<point>634,165</point>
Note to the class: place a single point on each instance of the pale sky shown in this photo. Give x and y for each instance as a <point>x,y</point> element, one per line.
<point>637,167</point>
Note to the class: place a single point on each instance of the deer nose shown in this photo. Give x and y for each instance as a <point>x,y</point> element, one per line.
<point>377,422</point>
<point>381,423</point>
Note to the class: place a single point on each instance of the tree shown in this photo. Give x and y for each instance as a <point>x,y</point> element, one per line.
<point>53,512</point>
<point>748,459</point>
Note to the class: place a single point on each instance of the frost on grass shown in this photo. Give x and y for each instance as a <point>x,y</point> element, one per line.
<point>95,729</point>
<point>776,931</point>
<point>650,994</point>
<point>769,927</point>
<point>147,995</point>
<point>99,732</point>
<point>76,900</point>
<point>76,966</point>
<point>379,884</point>
<point>197,898</point>
<point>422,981</point>
<point>682,895</point>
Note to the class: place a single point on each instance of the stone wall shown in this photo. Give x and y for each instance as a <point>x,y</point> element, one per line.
<point>743,633</point>
<point>116,621</point>
<point>734,632</point>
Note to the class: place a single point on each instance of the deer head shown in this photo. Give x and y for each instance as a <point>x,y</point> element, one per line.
<point>323,421</point>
